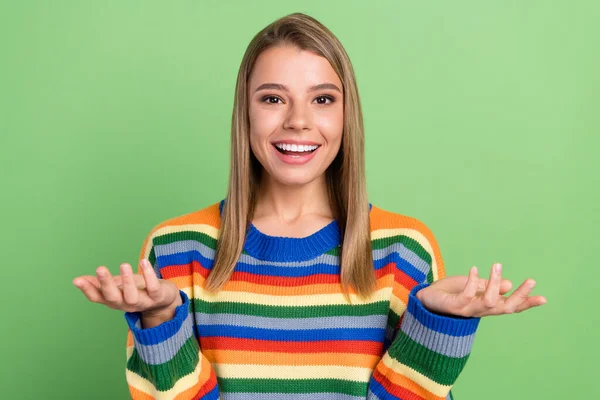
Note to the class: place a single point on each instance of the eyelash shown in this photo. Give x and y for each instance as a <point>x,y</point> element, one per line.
<point>330,98</point>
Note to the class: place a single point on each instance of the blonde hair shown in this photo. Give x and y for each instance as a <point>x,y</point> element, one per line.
<point>345,176</point>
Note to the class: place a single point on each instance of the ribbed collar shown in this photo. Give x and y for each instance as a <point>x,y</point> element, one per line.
<point>284,249</point>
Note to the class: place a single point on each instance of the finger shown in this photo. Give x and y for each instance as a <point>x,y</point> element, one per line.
<point>505,286</point>
<point>492,292</point>
<point>93,280</point>
<point>130,290</point>
<point>470,290</point>
<point>152,283</point>
<point>89,290</point>
<point>107,285</point>
<point>519,296</point>
<point>531,302</point>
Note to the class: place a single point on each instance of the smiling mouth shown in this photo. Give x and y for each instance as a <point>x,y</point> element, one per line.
<point>299,150</point>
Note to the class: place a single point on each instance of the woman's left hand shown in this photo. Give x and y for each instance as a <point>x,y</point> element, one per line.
<point>477,297</point>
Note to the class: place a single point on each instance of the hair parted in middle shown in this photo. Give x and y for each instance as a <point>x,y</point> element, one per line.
<point>345,177</point>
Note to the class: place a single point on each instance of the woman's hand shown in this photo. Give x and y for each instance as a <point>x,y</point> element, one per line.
<point>477,297</point>
<point>131,292</point>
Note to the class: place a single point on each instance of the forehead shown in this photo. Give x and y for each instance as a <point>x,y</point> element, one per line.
<point>292,67</point>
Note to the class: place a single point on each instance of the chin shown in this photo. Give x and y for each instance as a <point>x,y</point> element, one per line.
<point>294,180</point>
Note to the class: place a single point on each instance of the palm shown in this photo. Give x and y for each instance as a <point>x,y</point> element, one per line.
<point>129,292</point>
<point>471,296</point>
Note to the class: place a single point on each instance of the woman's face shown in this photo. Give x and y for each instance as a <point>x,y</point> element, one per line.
<point>296,114</point>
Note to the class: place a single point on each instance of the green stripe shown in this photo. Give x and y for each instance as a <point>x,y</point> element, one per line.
<point>292,386</point>
<point>409,243</point>
<point>169,238</point>
<point>260,310</point>
<point>437,367</point>
<point>393,319</point>
<point>164,376</point>
<point>152,256</point>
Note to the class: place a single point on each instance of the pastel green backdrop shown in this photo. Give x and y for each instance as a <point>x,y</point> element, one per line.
<point>481,120</point>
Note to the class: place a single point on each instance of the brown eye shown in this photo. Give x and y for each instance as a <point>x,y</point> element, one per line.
<point>323,99</point>
<point>270,98</point>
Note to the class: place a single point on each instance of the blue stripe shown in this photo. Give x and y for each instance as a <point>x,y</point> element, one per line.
<point>379,390</point>
<point>402,265</point>
<point>320,268</point>
<point>303,335</point>
<point>213,394</point>
<point>272,270</point>
<point>185,257</point>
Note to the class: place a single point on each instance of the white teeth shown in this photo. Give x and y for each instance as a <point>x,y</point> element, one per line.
<point>299,148</point>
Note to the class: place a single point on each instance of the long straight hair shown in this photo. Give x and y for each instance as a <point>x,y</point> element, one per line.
<point>345,177</point>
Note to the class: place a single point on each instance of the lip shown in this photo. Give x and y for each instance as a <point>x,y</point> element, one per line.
<point>303,142</point>
<point>294,160</point>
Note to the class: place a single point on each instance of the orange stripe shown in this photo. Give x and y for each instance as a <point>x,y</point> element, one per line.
<point>205,375</point>
<point>206,216</point>
<point>405,382</point>
<point>129,338</point>
<point>138,394</point>
<point>275,358</point>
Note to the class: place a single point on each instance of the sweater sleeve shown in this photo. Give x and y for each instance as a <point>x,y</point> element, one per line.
<point>429,350</point>
<point>165,361</point>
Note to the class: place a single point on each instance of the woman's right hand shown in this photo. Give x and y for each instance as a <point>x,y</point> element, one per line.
<point>131,292</point>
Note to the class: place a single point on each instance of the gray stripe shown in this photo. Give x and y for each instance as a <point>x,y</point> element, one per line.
<point>240,320</point>
<point>407,254</point>
<point>183,246</point>
<point>390,332</point>
<point>372,396</point>
<point>166,350</point>
<point>451,346</point>
<point>288,396</point>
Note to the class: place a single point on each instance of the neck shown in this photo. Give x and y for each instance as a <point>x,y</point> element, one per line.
<point>288,203</point>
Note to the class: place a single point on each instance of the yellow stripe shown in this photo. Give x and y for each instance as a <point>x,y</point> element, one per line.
<point>382,294</point>
<point>413,234</point>
<point>181,385</point>
<point>254,371</point>
<point>418,378</point>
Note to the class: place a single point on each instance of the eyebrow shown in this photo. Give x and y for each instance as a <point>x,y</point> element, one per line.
<point>313,88</point>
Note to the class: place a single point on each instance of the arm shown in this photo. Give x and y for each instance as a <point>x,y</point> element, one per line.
<point>164,359</point>
<point>429,350</point>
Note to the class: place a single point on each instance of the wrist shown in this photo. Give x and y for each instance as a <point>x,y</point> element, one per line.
<point>159,315</point>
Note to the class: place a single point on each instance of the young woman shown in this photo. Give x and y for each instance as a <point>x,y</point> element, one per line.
<point>294,286</point>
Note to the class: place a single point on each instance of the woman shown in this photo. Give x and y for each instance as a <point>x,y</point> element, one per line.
<point>310,291</point>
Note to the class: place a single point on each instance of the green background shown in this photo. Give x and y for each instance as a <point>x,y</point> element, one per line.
<point>481,120</point>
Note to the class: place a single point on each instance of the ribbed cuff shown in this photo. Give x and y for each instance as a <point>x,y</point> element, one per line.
<point>160,332</point>
<point>449,325</point>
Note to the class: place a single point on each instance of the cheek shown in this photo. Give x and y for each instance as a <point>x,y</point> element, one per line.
<point>263,122</point>
<point>331,127</point>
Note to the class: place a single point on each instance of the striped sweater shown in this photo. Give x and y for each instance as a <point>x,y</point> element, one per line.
<point>281,327</point>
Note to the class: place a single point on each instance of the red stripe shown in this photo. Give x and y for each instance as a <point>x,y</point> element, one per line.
<point>183,270</point>
<point>405,280</point>
<point>393,389</point>
<point>335,346</point>
<point>285,281</point>
<point>208,385</point>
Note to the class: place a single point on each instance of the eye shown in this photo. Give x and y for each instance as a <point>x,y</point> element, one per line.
<point>270,98</point>
<point>323,99</point>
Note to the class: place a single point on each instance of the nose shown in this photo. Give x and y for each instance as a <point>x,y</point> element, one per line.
<point>298,118</point>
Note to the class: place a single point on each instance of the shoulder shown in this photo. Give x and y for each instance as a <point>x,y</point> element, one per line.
<point>385,223</point>
<point>390,229</point>
<point>206,221</point>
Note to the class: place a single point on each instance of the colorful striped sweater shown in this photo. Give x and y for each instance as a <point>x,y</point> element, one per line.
<point>281,327</point>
